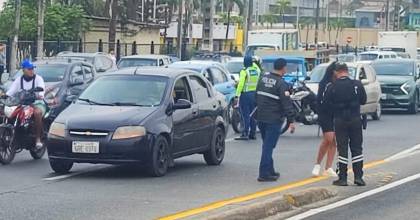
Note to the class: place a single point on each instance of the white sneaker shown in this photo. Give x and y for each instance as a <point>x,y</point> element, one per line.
<point>317,169</point>
<point>330,172</point>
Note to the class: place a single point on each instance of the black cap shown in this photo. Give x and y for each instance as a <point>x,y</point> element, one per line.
<point>340,66</point>
<point>280,64</point>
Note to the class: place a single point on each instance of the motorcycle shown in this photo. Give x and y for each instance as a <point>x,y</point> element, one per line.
<point>17,126</point>
<point>304,103</point>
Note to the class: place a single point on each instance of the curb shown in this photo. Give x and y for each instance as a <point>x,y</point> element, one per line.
<point>266,207</point>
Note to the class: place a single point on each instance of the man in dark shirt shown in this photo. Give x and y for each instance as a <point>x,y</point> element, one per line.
<point>273,106</point>
<point>344,97</point>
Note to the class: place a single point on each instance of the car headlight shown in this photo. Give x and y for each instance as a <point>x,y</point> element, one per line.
<point>406,87</point>
<point>127,132</point>
<point>58,129</point>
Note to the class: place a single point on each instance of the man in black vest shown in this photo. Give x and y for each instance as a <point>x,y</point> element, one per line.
<point>273,107</point>
<point>345,96</point>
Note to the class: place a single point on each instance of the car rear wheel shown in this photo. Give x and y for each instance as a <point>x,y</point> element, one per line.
<point>215,155</point>
<point>7,146</point>
<point>159,161</point>
<point>61,166</point>
<point>377,115</point>
<point>413,108</point>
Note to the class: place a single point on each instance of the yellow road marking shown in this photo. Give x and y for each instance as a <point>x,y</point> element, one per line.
<point>266,192</point>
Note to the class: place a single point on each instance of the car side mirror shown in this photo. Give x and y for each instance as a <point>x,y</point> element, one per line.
<point>232,78</point>
<point>307,78</point>
<point>71,98</point>
<point>182,104</point>
<point>76,82</point>
<point>365,81</point>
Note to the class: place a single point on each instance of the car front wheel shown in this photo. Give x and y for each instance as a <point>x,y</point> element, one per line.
<point>61,166</point>
<point>215,155</point>
<point>159,161</point>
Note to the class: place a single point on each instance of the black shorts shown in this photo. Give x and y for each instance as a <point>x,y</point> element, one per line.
<point>326,122</point>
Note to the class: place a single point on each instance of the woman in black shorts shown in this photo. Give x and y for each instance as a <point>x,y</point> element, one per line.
<point>325,119</point>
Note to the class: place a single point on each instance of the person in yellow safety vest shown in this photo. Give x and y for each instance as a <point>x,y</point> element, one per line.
<point>248,80</point>
<point>257,63</point>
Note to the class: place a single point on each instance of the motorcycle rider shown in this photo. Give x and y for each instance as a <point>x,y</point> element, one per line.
<point>248,79</point>
<point>29,80</point>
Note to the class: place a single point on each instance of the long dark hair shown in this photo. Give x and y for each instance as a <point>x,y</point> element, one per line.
<point>328,78</point>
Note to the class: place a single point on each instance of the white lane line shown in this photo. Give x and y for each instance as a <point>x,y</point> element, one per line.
<point>404,154</point>
<point>355,198</point>
<point>65,176</point>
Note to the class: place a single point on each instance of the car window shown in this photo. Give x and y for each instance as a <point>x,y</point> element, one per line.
<point>107,63</point>
<point>218,76</point>
<point>88,72</point>
<point>381,57</point>
<point>200,88</point>
<point>76,74</point>
<point>182,90</point>
<point>393,56</point>
<point>362,74</point>
<point>386,56</point>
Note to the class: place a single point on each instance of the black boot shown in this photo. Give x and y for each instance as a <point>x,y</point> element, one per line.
<point>359,182</point>
<point>340,182</point>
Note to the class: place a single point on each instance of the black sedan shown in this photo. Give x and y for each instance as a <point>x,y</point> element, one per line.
<point>142,116</point>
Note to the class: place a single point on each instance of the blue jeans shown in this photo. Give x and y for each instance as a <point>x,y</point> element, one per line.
<point>247,104</point>
<point>270,134</point>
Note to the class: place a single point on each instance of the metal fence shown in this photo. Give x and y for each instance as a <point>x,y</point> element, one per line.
<point>28,49</point>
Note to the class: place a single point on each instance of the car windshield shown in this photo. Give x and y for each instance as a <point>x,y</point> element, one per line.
<point>293,67</point>
<point>319,72</point>
<point>402,69</point>
<point>126,91</point>
<point>368,57</point>
<point>124,63</point>
<point>50,73</point>
<point>235,67</point>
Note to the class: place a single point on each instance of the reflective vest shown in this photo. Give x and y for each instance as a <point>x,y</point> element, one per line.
<point>248,80</point>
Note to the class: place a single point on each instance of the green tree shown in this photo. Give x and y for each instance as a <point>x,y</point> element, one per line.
<point>283,6</point>
<point>61,22</point>
<point>268,19</point>
<point>338,25</point>
<point>228,6</point>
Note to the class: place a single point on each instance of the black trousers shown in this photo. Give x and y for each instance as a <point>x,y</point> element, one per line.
<point>349,134</point>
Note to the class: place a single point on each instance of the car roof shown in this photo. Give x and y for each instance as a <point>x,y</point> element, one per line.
<point>148,56</point>
<point>274,57</point>
<point>151,71</point>
<point>378,52</point>
<point>74,54</point>
<point>235,59</point>
<point>380,61</point>
<point>56,61</point>
<point>196,64</point>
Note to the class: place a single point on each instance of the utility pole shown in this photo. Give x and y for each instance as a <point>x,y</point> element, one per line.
<point>13,51</point>
<point>179,34</point>
<point>40,34</point>
<point>297,19</point>
<point>248,16</point>
<point>387,16</point>
<point>316,23</point>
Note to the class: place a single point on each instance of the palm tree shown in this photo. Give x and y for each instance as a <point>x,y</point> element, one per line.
<point>229,4</point>
<point>283,6</point>
<point>338,25</point>
<point>268,19</point>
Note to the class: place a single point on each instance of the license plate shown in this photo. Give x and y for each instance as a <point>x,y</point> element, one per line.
<point>84,147</point>
<point>383,96</point>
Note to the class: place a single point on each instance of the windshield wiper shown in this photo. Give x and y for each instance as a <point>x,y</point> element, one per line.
<point>129,104</point>
<point>94,103</point>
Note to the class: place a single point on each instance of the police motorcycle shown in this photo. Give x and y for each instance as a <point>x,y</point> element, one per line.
<point>17,126</point>
<point>304,103</point>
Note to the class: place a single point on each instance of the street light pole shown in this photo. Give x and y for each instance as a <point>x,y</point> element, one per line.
<point>13,51</point>
<point>316,23</point>
<point>179,34</point>
<point>387,16</point>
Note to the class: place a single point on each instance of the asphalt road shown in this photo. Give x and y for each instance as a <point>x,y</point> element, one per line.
<point>398,203</point>
<point>121,192</point>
